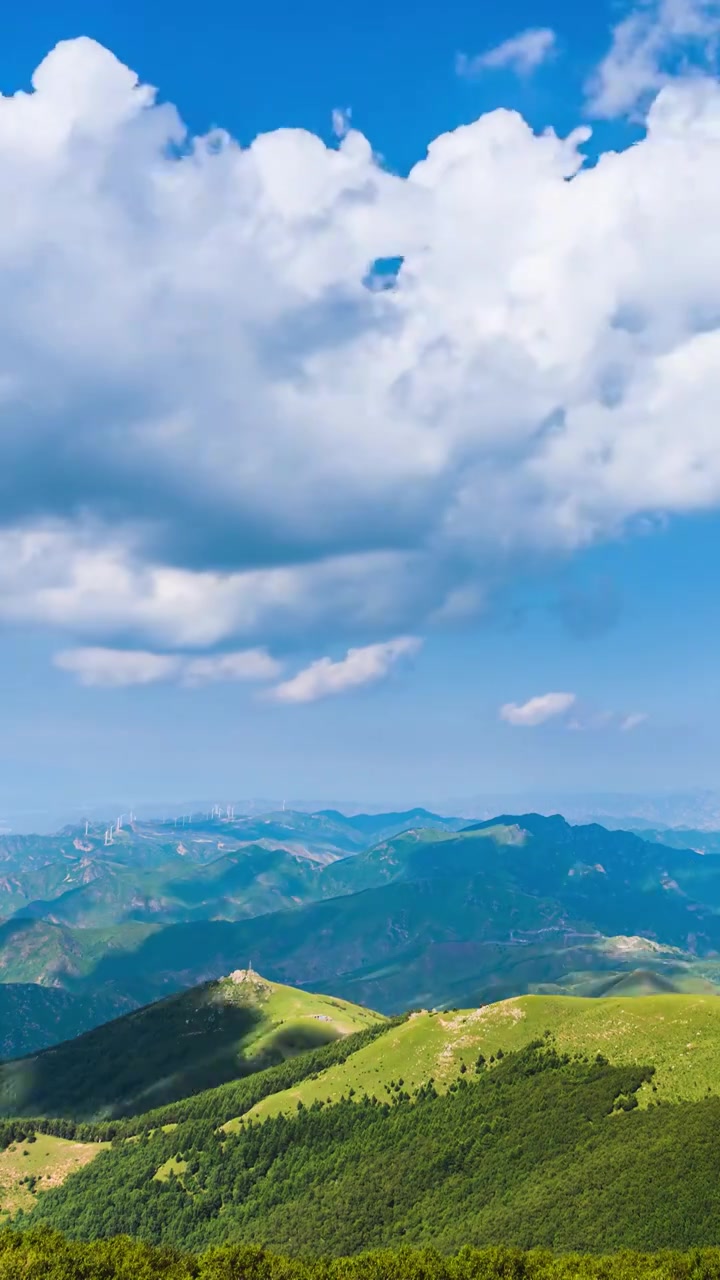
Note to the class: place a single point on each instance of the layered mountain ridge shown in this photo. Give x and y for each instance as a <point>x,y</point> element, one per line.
<point>423,916</point>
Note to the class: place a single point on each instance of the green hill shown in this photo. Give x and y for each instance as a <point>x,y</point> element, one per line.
<point>535,1149</point>
<point>541,1120</point>
<point>678,1034</point>
<point>53,955</point>
<point>176,1047</point>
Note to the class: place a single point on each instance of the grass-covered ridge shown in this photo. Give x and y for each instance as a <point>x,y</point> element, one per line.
<point>175,1153</point>
<point>678,1034</point>
<point>177,1047</point>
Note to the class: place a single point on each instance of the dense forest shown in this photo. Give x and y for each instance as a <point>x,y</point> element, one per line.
<point>534,1150</point>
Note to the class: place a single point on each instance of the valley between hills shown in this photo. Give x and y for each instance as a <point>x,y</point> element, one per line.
<point>387,1032</point>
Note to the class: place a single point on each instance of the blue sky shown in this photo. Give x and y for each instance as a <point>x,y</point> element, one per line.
<point>254,68</point>
<point>207,462</point>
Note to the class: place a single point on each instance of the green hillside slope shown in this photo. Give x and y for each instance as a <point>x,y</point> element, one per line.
<point>33,1016</point>
<point>566,1122</point>
<point>536,1149</point>
<point>678,1034</point>
<point>53,955</point>
<point>456,940</point>
<point>246,881</point>
<point>176,1047</point>
<point>44,1163</point>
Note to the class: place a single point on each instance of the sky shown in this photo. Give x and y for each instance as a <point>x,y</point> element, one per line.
<point>359,387</point>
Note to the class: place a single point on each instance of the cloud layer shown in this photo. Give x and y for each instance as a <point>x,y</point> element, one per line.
<point>213,432</point>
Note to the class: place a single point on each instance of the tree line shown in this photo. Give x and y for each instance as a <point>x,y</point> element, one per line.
<point>46,1255</point>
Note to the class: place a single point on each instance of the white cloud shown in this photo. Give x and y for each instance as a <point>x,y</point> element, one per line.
<point>248,664</point>
<point>341,118</point>
<point>212,432</point>
<point>633,721</point>
<point>522,53</point>
<point>656,42</point>
<point>83,580</point>
<point>116,668</point>
<point>359,667</point>
<point>537,710</point>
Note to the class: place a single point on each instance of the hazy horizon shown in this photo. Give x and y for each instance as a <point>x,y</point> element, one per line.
<point>690,809</point>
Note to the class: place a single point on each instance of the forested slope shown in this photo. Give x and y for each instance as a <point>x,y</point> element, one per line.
<point>537,1149</point>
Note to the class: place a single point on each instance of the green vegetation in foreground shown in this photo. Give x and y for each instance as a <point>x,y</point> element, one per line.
<point>534,1150</point>
<point>678,1034</point>
<point>531,1147</point>
<point>177,1047</point>
<point>50,1256</point>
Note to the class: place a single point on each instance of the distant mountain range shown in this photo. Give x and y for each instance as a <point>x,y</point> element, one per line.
<point>693,809</point>
<point>177,871</point>
<point>391,911</point>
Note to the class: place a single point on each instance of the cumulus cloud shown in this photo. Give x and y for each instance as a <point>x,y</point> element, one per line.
<point>522,53</point>
<point>359,667</point>
<point>118,668</point>
<point>546,706</point>
<point>654,44</point>
<point>77,579</point>
<point>214,432</point>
